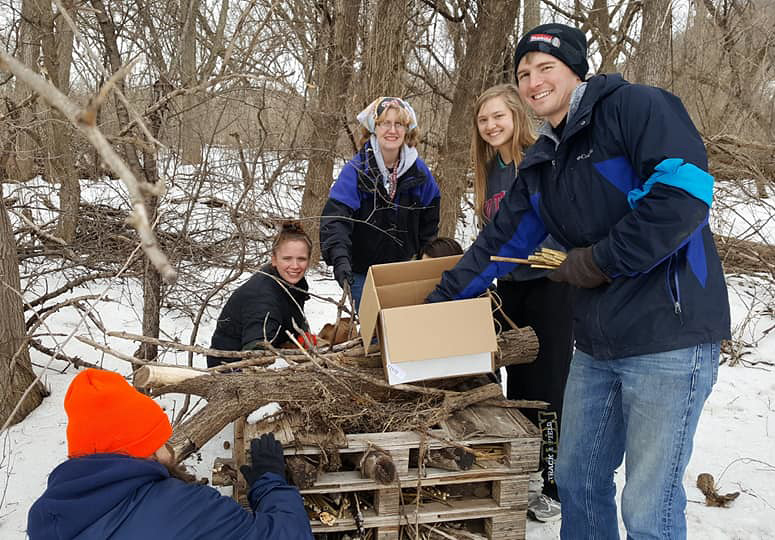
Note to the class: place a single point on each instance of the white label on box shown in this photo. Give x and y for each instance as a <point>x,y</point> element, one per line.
<point>397,374</point>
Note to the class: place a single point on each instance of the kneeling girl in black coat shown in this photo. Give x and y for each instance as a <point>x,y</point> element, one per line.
<point>270,302</point>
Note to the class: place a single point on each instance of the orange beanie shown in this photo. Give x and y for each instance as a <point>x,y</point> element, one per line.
<point>106,415</point>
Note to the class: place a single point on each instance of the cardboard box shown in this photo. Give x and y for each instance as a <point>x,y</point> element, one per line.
<point>424,341</point>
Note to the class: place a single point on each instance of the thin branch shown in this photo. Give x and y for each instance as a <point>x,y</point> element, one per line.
<point>138,218</point>
<point>444,13</point>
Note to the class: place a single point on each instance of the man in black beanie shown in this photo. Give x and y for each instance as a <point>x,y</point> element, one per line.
<point>619,177</point>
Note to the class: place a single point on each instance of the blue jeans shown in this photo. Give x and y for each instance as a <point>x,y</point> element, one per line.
<point>644,408</point>
<point>357,289</point>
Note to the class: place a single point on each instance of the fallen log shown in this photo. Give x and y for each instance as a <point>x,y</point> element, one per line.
<point>518,346</point>
<point>150,376</point>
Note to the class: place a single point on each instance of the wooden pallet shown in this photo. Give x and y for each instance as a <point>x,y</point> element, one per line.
<point>504,433</point>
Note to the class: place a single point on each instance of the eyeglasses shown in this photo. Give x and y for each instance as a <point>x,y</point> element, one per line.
<point>387,126</point>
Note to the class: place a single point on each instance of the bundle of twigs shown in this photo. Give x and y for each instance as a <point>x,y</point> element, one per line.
<point>543,258</point>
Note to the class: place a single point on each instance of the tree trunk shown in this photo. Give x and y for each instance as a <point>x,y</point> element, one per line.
<point>329,117</point>
<point>58,58</point>
<point>151,278</point>
<point>531,15</point>
<point>28,52</point>
<point>485,42</point>
<point>653,56</point>
<point>15,369</point>
<point>190,126</point>
<point>152,282</point>
<point>385,59</point>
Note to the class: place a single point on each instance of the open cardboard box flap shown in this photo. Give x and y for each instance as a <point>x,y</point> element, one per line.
<point>398,284</point>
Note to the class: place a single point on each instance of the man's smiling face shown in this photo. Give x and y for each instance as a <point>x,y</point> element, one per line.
<point>546,84</point>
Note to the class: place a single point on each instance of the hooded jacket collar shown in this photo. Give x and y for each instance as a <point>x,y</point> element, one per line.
<point>371,175</point>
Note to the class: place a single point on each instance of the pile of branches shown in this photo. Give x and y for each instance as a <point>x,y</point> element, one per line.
<point>330,393</point>
<point>732,158</point>
<point>104,234</point>
<point>744,256</point>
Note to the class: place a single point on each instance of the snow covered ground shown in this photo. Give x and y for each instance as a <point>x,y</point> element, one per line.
<point>735,440</point>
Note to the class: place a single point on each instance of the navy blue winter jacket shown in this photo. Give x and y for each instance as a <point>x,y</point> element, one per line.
<point>116,497</point>
<point>628,177</point>
<point>362,224</point>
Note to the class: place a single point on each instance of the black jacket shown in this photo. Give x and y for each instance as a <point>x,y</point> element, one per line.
<point>628,177</point>
<point>261,309</point>
<point>360,222</point>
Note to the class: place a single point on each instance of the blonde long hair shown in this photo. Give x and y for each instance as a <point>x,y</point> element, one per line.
<point>482,153</point>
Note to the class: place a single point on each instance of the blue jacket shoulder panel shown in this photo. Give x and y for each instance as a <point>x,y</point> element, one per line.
<point>345,189</point>
<point>429,189</point>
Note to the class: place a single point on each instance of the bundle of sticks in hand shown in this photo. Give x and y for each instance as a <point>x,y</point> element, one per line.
<point>543,258</point>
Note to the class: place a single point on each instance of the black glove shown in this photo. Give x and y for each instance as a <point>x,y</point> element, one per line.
<point>343,272</point>
<point>580,269</point>
<point>266,455</point>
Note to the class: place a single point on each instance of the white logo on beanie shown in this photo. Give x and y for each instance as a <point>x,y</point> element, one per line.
<point>554,41</point>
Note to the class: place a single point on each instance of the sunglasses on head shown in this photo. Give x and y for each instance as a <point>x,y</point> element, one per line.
<point>386,103</point>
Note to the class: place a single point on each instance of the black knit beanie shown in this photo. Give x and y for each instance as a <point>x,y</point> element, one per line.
<point>564,42</point>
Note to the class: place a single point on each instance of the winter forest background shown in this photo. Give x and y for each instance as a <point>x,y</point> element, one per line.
<point>148,148</point>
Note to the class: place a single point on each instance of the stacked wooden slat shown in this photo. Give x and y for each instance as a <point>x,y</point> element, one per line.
<point>491,496</point>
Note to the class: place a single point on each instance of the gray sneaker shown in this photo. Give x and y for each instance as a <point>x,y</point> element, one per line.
<point>543,508</point>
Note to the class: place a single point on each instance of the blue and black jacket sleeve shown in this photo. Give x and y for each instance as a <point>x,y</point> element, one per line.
<point>669,164</point>
<point>336,224</point>
<point>515,231</point>
<point>429,217</point>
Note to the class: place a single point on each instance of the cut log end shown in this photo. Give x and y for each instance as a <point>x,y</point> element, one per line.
<point>301,472</point>
<point>379,466</point>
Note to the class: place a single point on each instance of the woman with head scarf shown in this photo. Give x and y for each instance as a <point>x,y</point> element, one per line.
<point>384,205</point>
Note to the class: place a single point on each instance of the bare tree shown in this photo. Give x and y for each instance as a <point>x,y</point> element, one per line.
<point>653,57</point>
<point>385,57</point>
<point>191,147</point>
<point>328,115</point>
<point>485,45</point>
<point>610,25</point>
<point>15,367</point>
<point>531,14</point>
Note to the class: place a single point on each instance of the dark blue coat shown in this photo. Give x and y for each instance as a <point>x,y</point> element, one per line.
<point>361,223</point>
<point>110,496</point>
<point>628,178</point>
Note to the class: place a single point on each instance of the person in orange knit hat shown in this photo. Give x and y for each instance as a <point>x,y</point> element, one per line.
<point>120,480</point>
